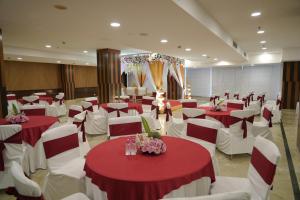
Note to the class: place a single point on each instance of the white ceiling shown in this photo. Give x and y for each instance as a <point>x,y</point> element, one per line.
<point>29,25</point>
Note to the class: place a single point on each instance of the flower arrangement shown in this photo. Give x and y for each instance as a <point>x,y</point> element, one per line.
<point>150,141</point>
<point>16,117</point>
<point>217,107</point>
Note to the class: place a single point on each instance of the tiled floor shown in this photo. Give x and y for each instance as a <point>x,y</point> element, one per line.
<point>238,165</point>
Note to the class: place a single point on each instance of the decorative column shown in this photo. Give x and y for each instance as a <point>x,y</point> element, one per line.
<point>67,80</point>
<point>108,74</point>
<point>174,90</point>
<point>3,100</point>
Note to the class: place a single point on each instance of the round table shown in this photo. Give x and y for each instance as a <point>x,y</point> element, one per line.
<point>131,106</point>
<point>33,129</point>
<point>223,116</point>
<point>145,176</point>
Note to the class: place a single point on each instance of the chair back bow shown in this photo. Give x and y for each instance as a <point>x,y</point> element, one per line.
<point>60,101</point>
<point>185,117</point>
<point>14,139</point>
<point>31,102</point>
<point>213,99</point>
<point>237,96</point>
<point>251,96</point>
<point>245,99</point>
<point>110,109</point>
<point>267,114</point>
<point>260,98</point>
<point>89,108</point>
<point>82,128</point>
<point>244,120</point>
<point>168,114</point>
<point>226,95</point>
<point>278,102</point>
<point>156,108</point>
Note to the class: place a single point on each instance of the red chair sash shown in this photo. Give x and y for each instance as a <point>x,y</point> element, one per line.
<point>60,145</point>
<point>156,110</point>
<point>93,102</point>
<point>265,168</point>
<point>248,100</point>
<point>168,114</point>
<point>37,101</point>
<point>189,104</point>
<point>61,101</point>
<point>251,96</point>
<point>10,98</point>
<point>217,97</point>
<point>267,114</point>
<point>237,96</point>
<point>185,117</point>
<point>245,102</point>
<point>213,99</point>
<point>35,112</point>
<point>147,101</point>
<point>226,95</point>
<point>110,109</point>
<point>125,129</point>
<point>153,94</point>
<point>14,139</point>
<point>278,102</point>
<point>234,120</point>
<point>238,106</point>
<point>202,133</point>
<point>90,108</point>
<point>126,100</point>
<point>13,191</point>
<point>260,98</point>
<point>72,112</point>
<point>82,128</point>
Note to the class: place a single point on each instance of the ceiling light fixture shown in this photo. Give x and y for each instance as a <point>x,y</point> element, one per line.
<point>260,31</point>
<point>85,51</point>
<point>188,49</point>
<point>58,61</point>
<point>115,24</point>
<point>204,55</point>
<point>48,46</point>
<point>19,58</point>
<point>263,42</point>
<point>264,48</point>
<point>215,59</point>
<point>255,14</point>
<point>87,63</point>
<point>163,41</point>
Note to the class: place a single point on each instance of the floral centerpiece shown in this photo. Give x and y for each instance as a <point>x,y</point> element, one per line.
<point>16,117</point>
<point>217,107</point>
<point>150,141</point>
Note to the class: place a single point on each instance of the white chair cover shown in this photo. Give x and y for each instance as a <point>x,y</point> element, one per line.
<point>40,94</point>
<point>262,127</point>
<point>188,113</point>
<point>238,104</point>
<point>31,100</point>
<point>152,117</point>
<point>76,196</point>
<point>117,110</point>
<point>264,159</point>
<point>95,123</point>
<point>34,110</point>
<point>124,99</point>
<point>11,149</point>
<point>123,126</point>
<point>131,91</point>
<point>189,103</point>
<point>174,126</point>
<point>66,175</point>
<point>94,101</point>
<point>238,138</point>
<point>11,99</point>
<point>223,196</point>
<point>84,145</point>
<point>73,110</point>
<point>147,103</point>
<point>58,108</point>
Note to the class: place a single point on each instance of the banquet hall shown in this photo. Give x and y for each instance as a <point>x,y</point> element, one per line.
<point>149,99</point>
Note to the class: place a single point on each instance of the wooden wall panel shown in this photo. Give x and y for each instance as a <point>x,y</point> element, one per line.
<point>174,90</point>
<point>31,76</point>
<point>290,84</point>
<point>3,100</point>
<point>85,76</point>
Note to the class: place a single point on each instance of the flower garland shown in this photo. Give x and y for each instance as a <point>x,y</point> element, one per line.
<point>141,59</point>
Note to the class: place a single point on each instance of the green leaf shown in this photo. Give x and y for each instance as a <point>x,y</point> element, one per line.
<point>146,125</point>
<point>15,109</point>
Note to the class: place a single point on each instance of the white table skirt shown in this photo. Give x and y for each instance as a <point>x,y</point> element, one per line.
<point>196,188</point>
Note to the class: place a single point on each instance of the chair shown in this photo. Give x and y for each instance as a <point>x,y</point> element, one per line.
<point>24,188</point>
<point>117,110</point>
<point>94,101</point>
<point>141,91</point>
<point>237,104</point>
<point>11,149</point>
<point>239,195</point>
<point>95,123</point>
<point>174,126</point>
<point>147,103</point>
<point>124,99</point>
<point>131,92</point>
<point>236,95</point>
<point>262,127</point>
<point>238,138</point>
<point>189,103</point>
<point>188,113</point>
<point>58,108</point>
<point>11,99</point>
<point>65,165</point>
<point>121,126</point>
<point>40,94</point>
<point>84,146</point>
<point>261,172</point>
<point>34,110</point>
<point>152,117</point>
<point>276,107</point>
<point>74,110</point>
<point>30,100</point>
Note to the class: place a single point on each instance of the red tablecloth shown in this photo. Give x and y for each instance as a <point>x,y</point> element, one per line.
<point>42,98</point>
<point>146,177</point>
<point>131,106</point>
<point>34,128</point>
<point>222,116</point>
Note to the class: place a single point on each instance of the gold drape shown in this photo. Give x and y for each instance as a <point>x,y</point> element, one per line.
<point>141,77</point>
<point>157,68</point>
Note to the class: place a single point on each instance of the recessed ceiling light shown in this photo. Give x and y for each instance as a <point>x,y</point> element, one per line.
<point>204,55</point>
<point>48,46</point>
<point>188,49</point>
<point>87,63</point>
<point>260,31</point>
<point>19,58</point>
<point>264,48</point>
<point>58,61</point>
<point>115,24</point>
<point>215,59</point>
<point>85,51</point>
<point>163,41</point>
<point>263,42</point>
<point>255,14</point>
